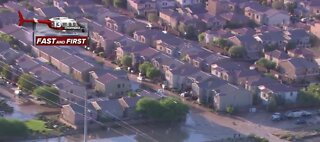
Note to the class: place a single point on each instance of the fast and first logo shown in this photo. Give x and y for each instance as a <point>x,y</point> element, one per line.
<point>61,40</point>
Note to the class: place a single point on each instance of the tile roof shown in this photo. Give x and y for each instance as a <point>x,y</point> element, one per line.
<point>278,54</point>
<point>51,12</point>
<point>26,63</point>
<point>45,74</point>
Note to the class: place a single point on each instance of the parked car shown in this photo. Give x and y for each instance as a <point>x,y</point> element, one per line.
<point>300,121</point>
<point>277,116</point>
<point>297,114</point>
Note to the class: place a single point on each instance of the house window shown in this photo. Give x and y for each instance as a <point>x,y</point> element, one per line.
<point>249,14</point>
<point>257,17</point>
<point>122,85</point>
<point>143,40</point>
<point>318,11</point>
<point>169,51</point>
<point>119,85</point>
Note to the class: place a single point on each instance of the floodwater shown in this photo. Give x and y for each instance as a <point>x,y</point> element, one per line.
<point>194,129</point>
<point>22,112</point>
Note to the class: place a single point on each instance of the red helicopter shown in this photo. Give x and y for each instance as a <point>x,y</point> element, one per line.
<point>56,23</point>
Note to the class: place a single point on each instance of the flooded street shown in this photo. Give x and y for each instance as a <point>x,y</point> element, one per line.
<point>195,128</point>
<point>22,112</point>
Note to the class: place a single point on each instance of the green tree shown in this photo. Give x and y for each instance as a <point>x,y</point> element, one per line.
<point>168,109</point>
<point>12,129</point>
<point>236,51</point>
<point>144,67</point>
<point>120,3</point>
<point>201,37</point>
<point>291,6</point>
<point>126,60</point>
<point>6,72</point>
<point>27,82</point>
<point>291,45</point>
<point>230,109</point>
<point>150,108</point>
<point>272,104</point>
<point>310,95</point>
<point>222,43</point>
<point>48,94</point>
<point>175,110</point>
<point>266,63</point>
<point>132,94</point>
<point>107,2</point>
<point>152,73</point>
<point>152,17</point>
<point>7,38</point>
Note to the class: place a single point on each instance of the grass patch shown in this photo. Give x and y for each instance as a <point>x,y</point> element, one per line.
<point>37,126</point>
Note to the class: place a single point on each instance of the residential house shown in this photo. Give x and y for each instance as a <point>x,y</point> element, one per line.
<point>80,71</point>
<point>66,64</point>
<point>142,7</point>
<point>170,17</point>
<point>150,37</point>
<point>287,93</point>
<point>299,69</point>
<point>45,74</point>
<point>7,18</point>
<point>231,71</point>
<point>23,35</point>
<point>306,53</point>
<point>276,56</point>
<point>25,63</point>
<point>70,90</point>
<point>177,78</point>
<point>310,7</point>
<point>129,106</point>
<point>166,4</point>
<point>105,38</point>
<point>314,29</point>
<point>141,56</point>
<point>233,18</point>
<point>45,52</point>
<point>228,95</point>
<point>48,12</point>
<point>111,85</point>
<point>9,55</point>
<point>212,35</point>
<point>213,22</point>
<point>216,7</point>
<point>63,3</point>
<point>55,57</point>
<point>130,49</point>
<point>73,114</point>
<point>72,11</point>
<point>123,24</point>
<point>268,16</point>
<point>298,37</point>
<point>271,38</point>
<point>13,5</point>
<point>184,3</point>
<point>252,47</point>
<point>165,63</point>
<point>203,90</point>
<point>108,109</point>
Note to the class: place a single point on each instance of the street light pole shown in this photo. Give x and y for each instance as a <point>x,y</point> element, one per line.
<point>85,129</point>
